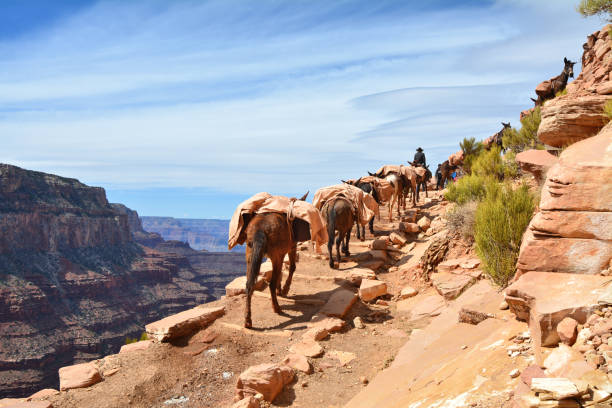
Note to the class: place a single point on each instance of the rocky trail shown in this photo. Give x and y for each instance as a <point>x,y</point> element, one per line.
<point>345,344</point>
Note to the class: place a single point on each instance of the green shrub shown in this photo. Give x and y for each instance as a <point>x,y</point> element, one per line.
<point>511,167</point>
<point>501,220</point>
<point>471,149</point>
<point>561,92</point>
<point>468,188</point>
<point>489,163</point>
<point>143,336</point>
<point>527,136</point>
<point>608,109</point>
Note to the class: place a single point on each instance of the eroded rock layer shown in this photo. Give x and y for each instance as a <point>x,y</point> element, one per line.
<point>74,283</point>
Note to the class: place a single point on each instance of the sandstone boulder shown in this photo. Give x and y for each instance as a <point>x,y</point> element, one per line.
<point>307,348</point>
<point>331,324</point>
<point>567,330</point>
<point>183,323</point>
<point>408,292</point>
<point>379,243</point>
<point>424,223</point>
<point>238,286</point>
<point>47,392</point>
<point>530,299</point>
<point>536,162</point>
<point>265,379</point>
<point>371,289</point>
<point>409,227</point>
<point>27,404</point>
<point>79,376</point>
<point>450,286</point>
<point>136,346</point>
<point>572,227</point>
<point>356,275</point>
<point>298,362</point>
<point>248,402</point>
<point>398,239</point>
<point>339,303</point>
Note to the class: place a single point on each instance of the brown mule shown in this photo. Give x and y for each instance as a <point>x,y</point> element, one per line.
<point>272,235</point>
<point>338,213</point>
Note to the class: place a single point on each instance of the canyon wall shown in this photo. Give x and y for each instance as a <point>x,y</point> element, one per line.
<point>201,234</point>
<point>74,283</point>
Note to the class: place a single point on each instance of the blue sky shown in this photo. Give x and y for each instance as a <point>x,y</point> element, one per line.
<point>185,108</point>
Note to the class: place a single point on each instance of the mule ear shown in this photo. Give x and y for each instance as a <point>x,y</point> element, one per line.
<point>345,182</point>
<point>565,60</point>
<point>533,100</point>
<point>358,180</point>
<point>371,174</point>
<point>303,198</point>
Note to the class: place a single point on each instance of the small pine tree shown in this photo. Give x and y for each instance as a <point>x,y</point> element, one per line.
<point>471,149</point>
<point>601,8</point>
<point>527,136</point>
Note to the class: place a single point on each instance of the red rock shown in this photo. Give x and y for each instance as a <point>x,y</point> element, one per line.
<point>298,362</point>
<point>409,227</point>
<point>450,286</point>
<point>371,289</point>
<point>429,306</point>
<point>315,334</point>
<point>47,392</point>
<point>576,210</point>
<point>248,402</point>
<point>78,376</point>
<point>424,223</point>
<point>110,373</point>
<point>410,216</point>
<point>531,298</point>
<point>139,345</point>
<point>331,324</point>
<point>308,348</point>
<point>379,244</point>
<point>449,265</point>
<point>565,362</point>
<point>356,275</point>
<point>30,404</point>
<point>408,292</point>
<point>531,372</point>
<point>339,303</point>
<point>265,379</point>
<point>397,239</point>
<point>183,323</point>
<point>470,264</point>
<point>400,334</point>
<point>536,162</point>
<point>567,330</point>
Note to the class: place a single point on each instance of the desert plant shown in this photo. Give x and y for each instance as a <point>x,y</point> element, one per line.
<point>489,163</point>
<point>501,220</point>
<point>461,219</point>
<point>608,109</point>
<point>468,188</point>
<point>471,149</point>
<point>527,136</point>
<point>602,8</point>
<point>561,92</point>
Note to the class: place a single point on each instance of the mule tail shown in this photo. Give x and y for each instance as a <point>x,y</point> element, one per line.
<point>331,231</point>
<point>260,241</point>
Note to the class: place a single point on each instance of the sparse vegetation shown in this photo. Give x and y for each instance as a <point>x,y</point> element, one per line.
<point>602,8</point>
<point>527,137</point>
<point>468,188</point>
<point>471,149</point>
<point>461,218</point>
<point>608,109</point>
<point>501,220</point>
<point>561,93</point>
<point>143,336</point>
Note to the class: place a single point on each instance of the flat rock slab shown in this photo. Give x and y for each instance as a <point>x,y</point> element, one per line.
<point>344,357</point>
<point>560,388</point>
<point>339,303</point>
<point>266,379</point>
<point>427,307</point>
<point>307,348</point>
<point>331,324</point>
<point>298,362</point>
<point>356,275</point>
<point>450,264</point>
<point>546,298</point>
<point>371,289</point>
<point>28,404</point>
<point>450,286</point>
<point>139,345</point>
<point>78,376</point>
<point>183,323</point>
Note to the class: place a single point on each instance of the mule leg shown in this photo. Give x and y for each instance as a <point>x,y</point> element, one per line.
<point>345,248</point>
<point>371,226</point>
<point>277,273</point>
<point>292,258</point>
<point>358,232</point>
<point>338,241</point>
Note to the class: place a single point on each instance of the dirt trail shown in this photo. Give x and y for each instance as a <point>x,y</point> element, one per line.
<point>194,373</point>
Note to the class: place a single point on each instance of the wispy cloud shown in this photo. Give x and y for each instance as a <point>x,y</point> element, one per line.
<point>242,96</point>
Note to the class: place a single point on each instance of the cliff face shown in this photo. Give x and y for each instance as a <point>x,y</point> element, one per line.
<point>73,282</point>
<point>207,234</point>
<point>149,239</point>
<point>579,114</point>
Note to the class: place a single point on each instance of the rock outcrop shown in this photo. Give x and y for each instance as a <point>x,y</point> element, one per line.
<point>149,239</point>
<point>572,228</point>
<point>74,283</point>
<point>536,162</point>
<point>579,114</point>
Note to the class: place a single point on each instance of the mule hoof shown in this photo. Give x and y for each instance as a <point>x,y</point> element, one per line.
<point>278,311</point>
<point>248,324</point>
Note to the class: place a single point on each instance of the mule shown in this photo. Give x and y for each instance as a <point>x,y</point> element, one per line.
<point>271,235</point>
<point>497,138</point>
<point>367,188</point>
<point>339,215</point>
<point>557,84</point>
<point>421,181</point>
<point>446,169</point>
<point>399,183</point>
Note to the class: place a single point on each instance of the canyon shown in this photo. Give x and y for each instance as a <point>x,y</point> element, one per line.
<point>78,276</point>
